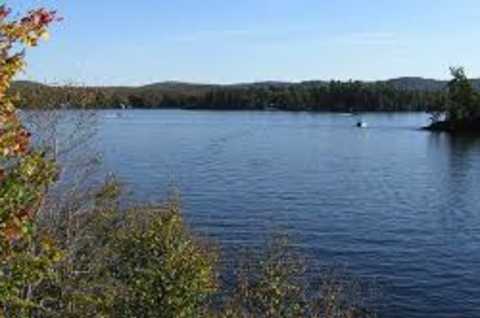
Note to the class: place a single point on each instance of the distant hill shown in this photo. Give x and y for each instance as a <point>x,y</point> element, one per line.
<point>179,86</point>
<point>423,84</point>
<point>417,83</point>
<point>28,84</point>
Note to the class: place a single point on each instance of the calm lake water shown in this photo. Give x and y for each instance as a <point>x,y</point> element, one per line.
<point>393,204</point>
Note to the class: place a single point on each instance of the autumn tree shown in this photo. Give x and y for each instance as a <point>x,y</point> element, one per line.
<point>26,256</point>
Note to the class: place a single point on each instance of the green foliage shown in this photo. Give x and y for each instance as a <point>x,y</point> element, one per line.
<point>159,265</point>
<point>134,262</point>
<point>463,101</point>
<point>270,285</point>
<point>22,277</point>
<point>459,108</point>
<point>274,283</point>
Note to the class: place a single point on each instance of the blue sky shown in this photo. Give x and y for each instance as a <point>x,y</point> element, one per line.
<point>120,42</point>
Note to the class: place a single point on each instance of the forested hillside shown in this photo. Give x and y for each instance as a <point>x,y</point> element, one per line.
<point>402,94</point>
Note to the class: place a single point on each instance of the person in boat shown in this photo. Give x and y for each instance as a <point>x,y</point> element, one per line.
<point>362,124</point>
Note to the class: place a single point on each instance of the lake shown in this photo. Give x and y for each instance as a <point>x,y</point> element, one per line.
<point>394,204</point>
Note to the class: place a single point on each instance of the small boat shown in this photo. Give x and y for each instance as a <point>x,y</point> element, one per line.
<point>362,124</point>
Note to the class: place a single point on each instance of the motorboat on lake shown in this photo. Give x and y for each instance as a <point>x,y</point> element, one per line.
<point>362,124</point>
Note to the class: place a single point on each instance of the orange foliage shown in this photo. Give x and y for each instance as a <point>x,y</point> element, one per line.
<point>23,173</point>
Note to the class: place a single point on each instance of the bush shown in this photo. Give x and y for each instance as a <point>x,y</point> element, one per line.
<point>133,262</point>
<point>275,283</point>
<point>270,284</point>
<point>162,270</point>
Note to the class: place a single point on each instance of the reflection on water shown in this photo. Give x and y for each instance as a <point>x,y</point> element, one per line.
<point>461,172</point>
<point>391,202</point>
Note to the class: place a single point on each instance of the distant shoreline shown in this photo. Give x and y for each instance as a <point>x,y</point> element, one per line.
<point>236,110</point>
<point>334,96</point>
<point>458,126</point>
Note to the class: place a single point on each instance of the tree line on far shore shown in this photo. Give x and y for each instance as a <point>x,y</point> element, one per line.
<point>351,96</point>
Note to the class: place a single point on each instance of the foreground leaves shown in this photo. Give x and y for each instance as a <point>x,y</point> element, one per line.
<point>26,256</point>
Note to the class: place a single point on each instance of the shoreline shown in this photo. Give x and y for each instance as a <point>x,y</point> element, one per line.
<point>460,126</point>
